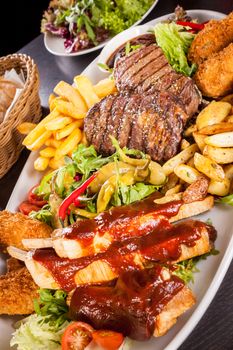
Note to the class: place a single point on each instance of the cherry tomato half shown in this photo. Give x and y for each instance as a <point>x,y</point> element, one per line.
<point>77,336</point>
<point>26,207</point>
<point>34,199</point>
<point>108,340</point>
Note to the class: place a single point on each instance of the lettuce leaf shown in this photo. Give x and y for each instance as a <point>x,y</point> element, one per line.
<point>35,332</point>
<point>175,42</point>
<point>227,200</point>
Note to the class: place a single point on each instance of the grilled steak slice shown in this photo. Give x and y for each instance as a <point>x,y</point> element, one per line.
<point>148,68</point>
<point>151,122</point>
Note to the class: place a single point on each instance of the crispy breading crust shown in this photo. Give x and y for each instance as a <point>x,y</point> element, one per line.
<point>215,76</point>
<point>15,226</point>
<point>17,291</point>
<point>213,38</point>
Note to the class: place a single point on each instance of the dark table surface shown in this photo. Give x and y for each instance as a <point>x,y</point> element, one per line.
<point>215,330</point>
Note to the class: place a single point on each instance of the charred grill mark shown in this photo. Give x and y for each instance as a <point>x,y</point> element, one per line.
<point>90,124</point>
<point>113,123</point>
<point>159,74</point>
<point>136,71</point>
<point>127,61</point>
<point>105,126</point>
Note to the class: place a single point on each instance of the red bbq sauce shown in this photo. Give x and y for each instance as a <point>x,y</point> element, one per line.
<point>129,306</point>
<point>121,222</point>
<point>160,245</point>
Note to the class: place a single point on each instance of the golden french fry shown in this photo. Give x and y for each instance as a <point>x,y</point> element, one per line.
<point>105,87</point>
<point>216,128</point>
<point>69,143</point>
<point>68,129</point>
<point>39,129</point>
<point>187,173</point>
<point>172,181</point>
<point>169,198</point>
<point>219,155</point>
<point>26,128</point>
<point>184,144</point>
<point>200,140</point>
<point>214,113</point>
<point>40,141</point>
<point>188,132</point>
<point>56,163</point>
<point>84,140</point>
<point>41,163</point>
<point>219,188</point>
<point>174,190</point>
<point>69,109</point>
<point>224,139</point>
<point>71,94</point>
<point>230,118</point>
<point>48,152</point>
<point>86,90</point>
<point>58,123</point>
<point>51,142</point>
<point>180,158</point>
<point>209,167</point>
<point>52,97</point>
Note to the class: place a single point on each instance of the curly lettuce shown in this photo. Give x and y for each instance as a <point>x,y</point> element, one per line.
<point>175,42</point>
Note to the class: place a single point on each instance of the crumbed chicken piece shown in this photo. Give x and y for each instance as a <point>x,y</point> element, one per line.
<point>213,38</point>
<point>214,76</point>
<point>17,290</point>
<point>15,226</point>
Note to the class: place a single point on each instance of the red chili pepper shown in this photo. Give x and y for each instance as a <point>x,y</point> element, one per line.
<point>73,196</point>
<point>195,26</point>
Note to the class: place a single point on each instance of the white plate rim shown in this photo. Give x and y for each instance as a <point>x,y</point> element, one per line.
<point>48,37</point>
<point>219,274</point>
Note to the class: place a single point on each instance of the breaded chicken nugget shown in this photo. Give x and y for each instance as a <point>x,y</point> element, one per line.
<point>17,290</point>
<point>15,226</point>
<point>213,38</point>
<point>214,76</point>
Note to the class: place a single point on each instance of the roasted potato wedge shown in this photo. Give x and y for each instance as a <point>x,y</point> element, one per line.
<point>214,113</point>
<point>180,158</point>
<point>187,173</point>
<point>217,128</point>
<point>219,155</point>
<point>199,139</point>
<point>228,169</point>
<point>197,191</point>
<point>209,167</point>
<point>188,132</point>
<point>230,118</point>
<point>224,139</point>
<point>228,98</point>
<point>219,188</point>
<point>169,198</point>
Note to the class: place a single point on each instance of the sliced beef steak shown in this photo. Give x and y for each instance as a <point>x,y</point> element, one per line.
<point>147,68</point>
<point>150,122</point>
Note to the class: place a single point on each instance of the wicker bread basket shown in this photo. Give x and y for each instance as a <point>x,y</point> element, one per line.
<point>26,109</point>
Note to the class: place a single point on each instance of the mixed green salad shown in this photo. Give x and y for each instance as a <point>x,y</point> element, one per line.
<point>86,23</point>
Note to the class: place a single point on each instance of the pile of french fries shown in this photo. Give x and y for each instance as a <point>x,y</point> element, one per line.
<point>59,133</point>
<point>210,157</point>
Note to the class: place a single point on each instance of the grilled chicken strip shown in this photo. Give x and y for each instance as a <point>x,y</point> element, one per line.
<point>168,243</point>
<point>139,304</point>
<point>15,226</point>
<point>17,290</point>
<point>91,236</point>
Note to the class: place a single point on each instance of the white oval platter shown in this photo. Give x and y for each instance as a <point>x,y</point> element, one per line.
<point>212,270</point>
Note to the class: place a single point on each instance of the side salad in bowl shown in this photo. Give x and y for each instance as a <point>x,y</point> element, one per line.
<point>84,24</point>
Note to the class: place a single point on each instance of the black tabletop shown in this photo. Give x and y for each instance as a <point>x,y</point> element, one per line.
<point>215,330</point>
